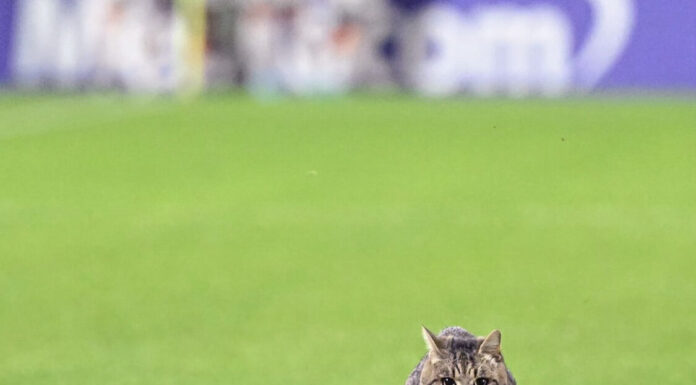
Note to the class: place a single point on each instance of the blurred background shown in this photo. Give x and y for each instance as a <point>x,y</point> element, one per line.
<point>444,47</point>
<point>254,192</point>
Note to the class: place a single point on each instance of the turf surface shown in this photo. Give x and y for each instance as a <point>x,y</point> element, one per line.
<point>226,241</point>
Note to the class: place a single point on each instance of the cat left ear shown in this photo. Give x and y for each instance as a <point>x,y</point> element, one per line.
<point>435,345</point>
<point>491,344</point>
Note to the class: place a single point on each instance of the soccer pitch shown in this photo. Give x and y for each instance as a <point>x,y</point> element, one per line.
<point>228,241</point>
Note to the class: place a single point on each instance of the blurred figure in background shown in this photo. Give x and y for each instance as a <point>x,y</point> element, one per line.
<point>48,43</point>
<point>303,47</point>
<point>137,50</point>
<point>96,43</point>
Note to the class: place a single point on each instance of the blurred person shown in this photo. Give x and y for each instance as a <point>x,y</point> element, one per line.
<point>48,43</point>
<point>257,30</point>
<point>104,43</point>
<point>320,56</point>
<point>137,46</point>
<point>222,59</point>
<point>303,47</point>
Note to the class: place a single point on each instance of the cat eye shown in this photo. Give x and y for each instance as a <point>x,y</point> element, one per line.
<point>482,381</point>
<point>447,381</point>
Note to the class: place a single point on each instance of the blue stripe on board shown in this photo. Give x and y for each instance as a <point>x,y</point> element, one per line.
<point>7,12</point>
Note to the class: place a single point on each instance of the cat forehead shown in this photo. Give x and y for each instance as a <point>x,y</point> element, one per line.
<point>460,352</point>
<point>457,353</point>
<point>462,346</point>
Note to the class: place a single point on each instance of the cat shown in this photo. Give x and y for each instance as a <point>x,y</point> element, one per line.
<point>457,357</point>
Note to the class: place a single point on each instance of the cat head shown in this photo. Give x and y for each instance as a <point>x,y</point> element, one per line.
<point>463,359</point>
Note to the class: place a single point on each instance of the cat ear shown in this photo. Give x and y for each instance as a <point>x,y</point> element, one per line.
<point>435,344</point>
<point>491,344</point>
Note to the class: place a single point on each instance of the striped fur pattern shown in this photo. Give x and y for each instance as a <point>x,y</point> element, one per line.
<point>466,359</point>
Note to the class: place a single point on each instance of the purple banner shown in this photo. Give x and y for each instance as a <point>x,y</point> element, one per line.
<point>436,47</point>
<point>548,46</point>
<point>661,53</point>
<point>7,11</point>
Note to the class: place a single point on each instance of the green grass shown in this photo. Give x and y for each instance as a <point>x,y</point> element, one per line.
<point>225,241</point>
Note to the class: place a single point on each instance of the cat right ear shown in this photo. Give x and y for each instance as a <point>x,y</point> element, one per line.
<point>491,344</point>
<point>435,345</point>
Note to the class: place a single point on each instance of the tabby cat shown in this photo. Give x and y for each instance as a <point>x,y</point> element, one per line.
<point>457,357</point>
